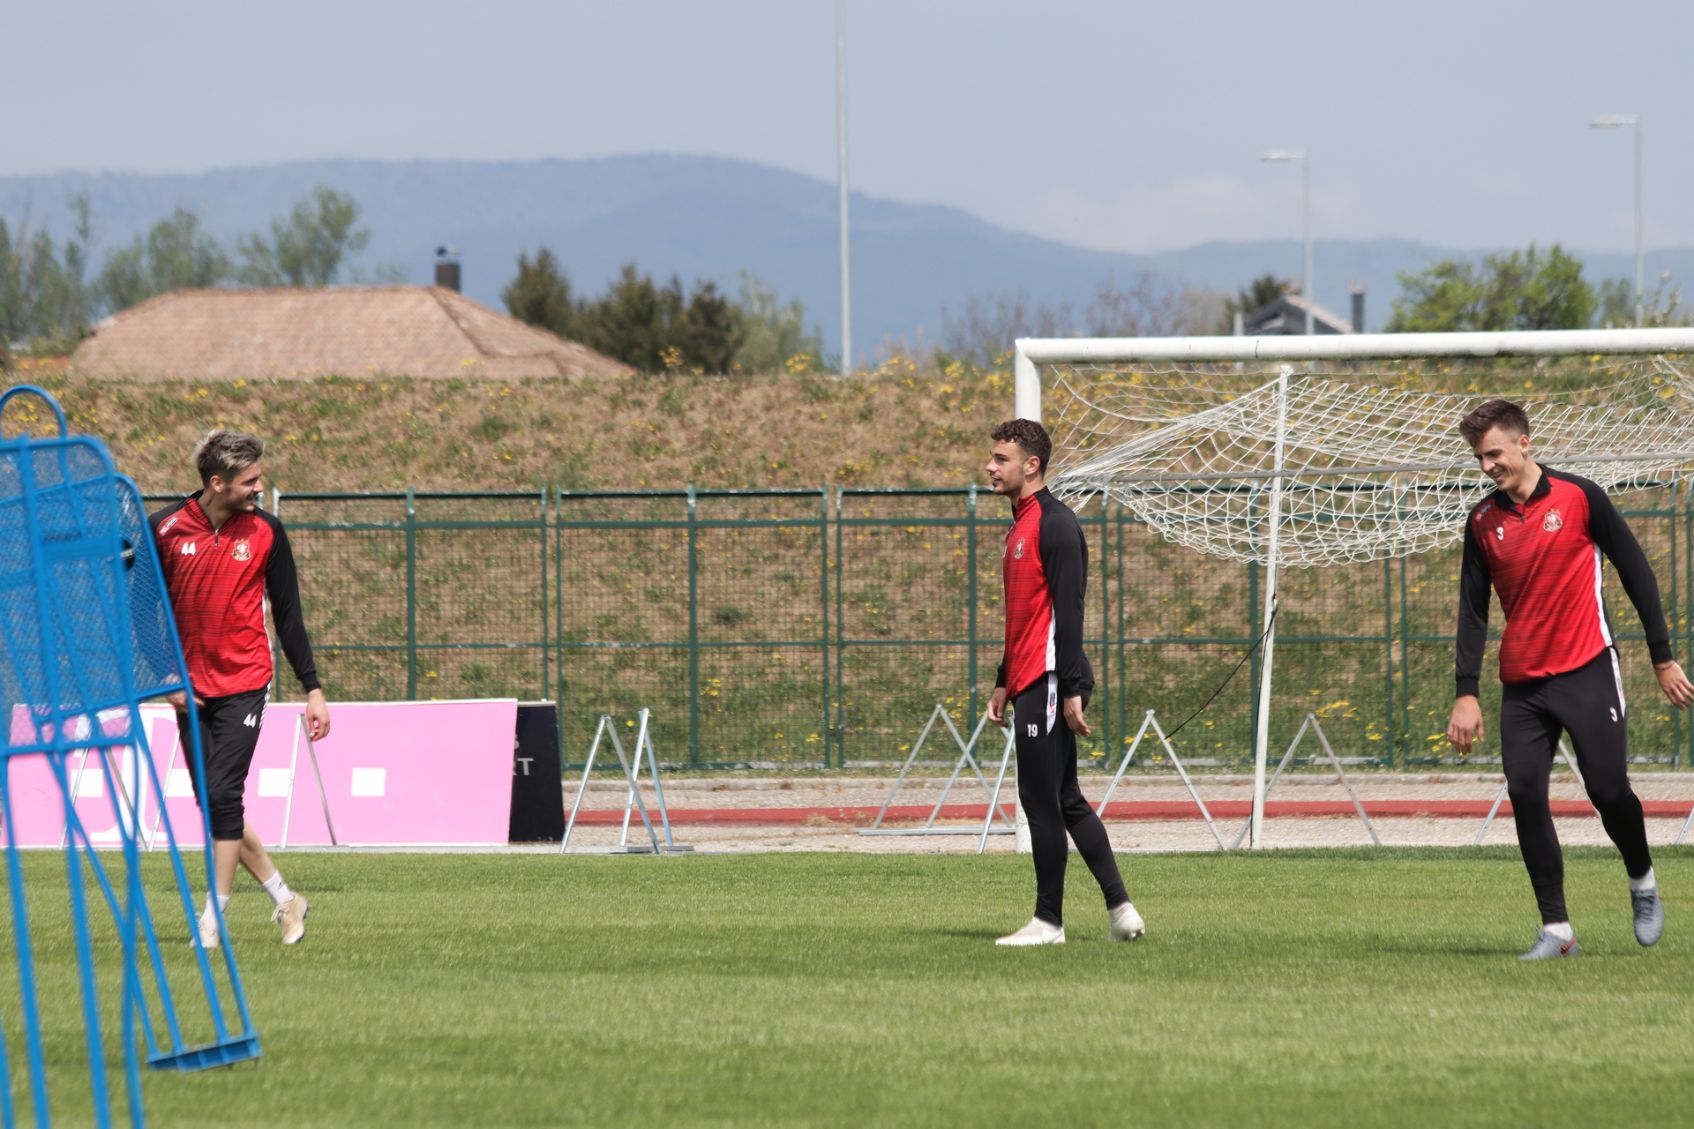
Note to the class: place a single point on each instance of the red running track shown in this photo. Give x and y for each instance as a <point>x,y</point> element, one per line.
<point>1134,810</point>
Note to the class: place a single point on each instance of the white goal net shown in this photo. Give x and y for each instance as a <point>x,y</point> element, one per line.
<point>1368,456</point>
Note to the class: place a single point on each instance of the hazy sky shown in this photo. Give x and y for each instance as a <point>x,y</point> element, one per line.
<point>1124,126</point>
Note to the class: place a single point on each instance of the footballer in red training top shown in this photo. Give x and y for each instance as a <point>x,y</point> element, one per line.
<point>1538,541</point>
<point>222,556</point>
<point>1045,679</point>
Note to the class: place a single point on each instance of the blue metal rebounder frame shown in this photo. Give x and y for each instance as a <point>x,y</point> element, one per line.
<point>86,636</point>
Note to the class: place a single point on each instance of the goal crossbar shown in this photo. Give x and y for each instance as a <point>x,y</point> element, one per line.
<point>1033,351</point>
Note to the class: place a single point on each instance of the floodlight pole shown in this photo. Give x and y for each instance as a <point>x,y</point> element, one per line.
<point>1614,121</point>
<point>1305,160</point>
<point>1261,737</point>
<point>841,182</point>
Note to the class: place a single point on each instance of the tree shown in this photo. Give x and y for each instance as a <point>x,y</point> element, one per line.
<point>774,337</point>
<point>631,320</point>
<point>654,328</point>
<point>648,327</point>
<point>1528,291</point>
<point>1256,295</point>
<point>44,299</point>
<point>1148,307</point>
<point>707,332</point>
<point>63,303</point>
<point>541,295</point>
<point>1446,297</point>
<point>175,255</point>
<point>180,255</point>
<point>1662,305</point>
<point>1516,290</point>
<point>123,282</point>
<point>310,247</point>
<point>12,302</point>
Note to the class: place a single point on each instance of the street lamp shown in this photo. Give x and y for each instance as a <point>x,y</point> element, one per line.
<point>1305,218</point>
<point>841,184</point>
<point>1616,121</point>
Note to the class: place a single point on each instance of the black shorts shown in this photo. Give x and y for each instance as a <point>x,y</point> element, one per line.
<point>229,733</point>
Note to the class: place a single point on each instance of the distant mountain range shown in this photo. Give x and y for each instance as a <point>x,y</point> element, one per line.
<point>712,218</point>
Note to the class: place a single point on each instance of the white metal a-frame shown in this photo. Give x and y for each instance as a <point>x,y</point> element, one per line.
<point>632,802</point>
<point>1152,722</point>
<point>967,756</point>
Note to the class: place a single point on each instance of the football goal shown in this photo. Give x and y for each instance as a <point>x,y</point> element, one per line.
<point>1315,452</point>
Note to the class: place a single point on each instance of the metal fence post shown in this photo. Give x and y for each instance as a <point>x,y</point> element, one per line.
<point>1680,593</point>
<point>558,518</point>
<point>411,596</point>
<point>546,640</point>
<point>1254,628</point>
<point>823,618</point>
<point>693,631</point>
<point>1405,668</point>
<point>1120,560</point>
<point>1392,736</point>
<point>276,640</point>
<point>1101,574</point>
<point>840,640</point>
<point>971,597</point>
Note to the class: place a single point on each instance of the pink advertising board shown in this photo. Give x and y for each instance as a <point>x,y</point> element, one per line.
<point>394,774</point>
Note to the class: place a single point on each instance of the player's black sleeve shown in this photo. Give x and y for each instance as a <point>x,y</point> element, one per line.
<point>282,586</point>
<point>1617,541</point>
<point>1064,560</point>
<point>1476,584</point>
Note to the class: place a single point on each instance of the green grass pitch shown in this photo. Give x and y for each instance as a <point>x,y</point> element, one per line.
<point>1356,988</point>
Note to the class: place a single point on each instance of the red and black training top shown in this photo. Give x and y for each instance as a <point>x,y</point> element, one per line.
<point>1543,558</point>
<point>218,580</point>
<point>1045,567</point>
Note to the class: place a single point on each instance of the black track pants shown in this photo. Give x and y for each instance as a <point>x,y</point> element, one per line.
<point>1053,803</point>
<point>1586,703</point>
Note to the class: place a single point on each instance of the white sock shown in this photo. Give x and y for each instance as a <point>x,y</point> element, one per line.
<point>1644,883</point>
<point>277,889</point>
<point>1561,930</point>
<point>206,914</point>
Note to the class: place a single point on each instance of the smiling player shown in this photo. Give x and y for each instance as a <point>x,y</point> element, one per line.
<point>1538,542</point>
<point>222,555</point>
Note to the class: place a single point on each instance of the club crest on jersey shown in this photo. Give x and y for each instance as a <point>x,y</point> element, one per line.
<point>241,552</point>
<point>1553,522</point>
<point>1017,550</point>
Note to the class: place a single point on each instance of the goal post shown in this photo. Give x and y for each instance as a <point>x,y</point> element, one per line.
<point>1296,451</point>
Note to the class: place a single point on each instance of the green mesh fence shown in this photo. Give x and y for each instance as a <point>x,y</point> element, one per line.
<point>709,607</point>
<point>820,628</point>
<point>916,581</point>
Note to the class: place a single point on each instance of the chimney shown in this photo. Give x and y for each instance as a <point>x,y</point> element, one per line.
<point>1357,290</point>
<point>447,268</point>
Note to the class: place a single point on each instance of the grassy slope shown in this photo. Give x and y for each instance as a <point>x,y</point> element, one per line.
<point>1299,989</point>
<point>896,426</point>
<point>901,424</point>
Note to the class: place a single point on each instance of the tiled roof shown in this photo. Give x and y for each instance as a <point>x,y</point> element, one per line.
<point>424,331</point>
<point>1288,315</point>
